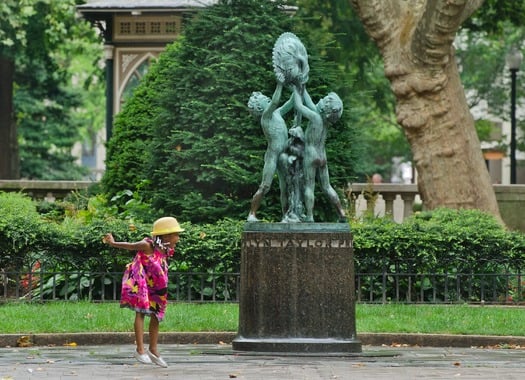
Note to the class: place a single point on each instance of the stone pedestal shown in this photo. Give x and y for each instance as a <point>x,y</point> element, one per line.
<point>297,289</point>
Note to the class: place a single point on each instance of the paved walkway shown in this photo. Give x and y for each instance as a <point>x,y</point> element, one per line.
<point>210,361</point>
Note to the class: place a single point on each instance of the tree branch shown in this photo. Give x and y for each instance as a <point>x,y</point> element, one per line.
<point>379,18</point>
<point>437,29</point>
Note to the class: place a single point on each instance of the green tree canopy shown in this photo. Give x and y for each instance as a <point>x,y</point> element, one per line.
<point>42,39</point>
<point>482,47</point>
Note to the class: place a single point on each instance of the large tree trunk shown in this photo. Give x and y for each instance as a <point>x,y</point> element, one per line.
<point>415,38</point>
<point>9,163</point>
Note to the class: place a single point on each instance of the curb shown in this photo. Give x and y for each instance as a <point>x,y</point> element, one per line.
<point>369,339</point>
<point>441,340</point>
<point>96,339</point>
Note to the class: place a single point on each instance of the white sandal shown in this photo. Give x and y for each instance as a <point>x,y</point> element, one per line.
<point>143,358</point>
<point>157,360</point>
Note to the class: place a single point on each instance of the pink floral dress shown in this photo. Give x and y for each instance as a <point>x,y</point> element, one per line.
<point>145,283</point>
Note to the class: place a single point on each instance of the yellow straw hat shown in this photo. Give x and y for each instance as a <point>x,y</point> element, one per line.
<point>166,225</point>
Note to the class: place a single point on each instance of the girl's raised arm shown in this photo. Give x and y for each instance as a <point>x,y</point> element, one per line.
<point>141,245</point>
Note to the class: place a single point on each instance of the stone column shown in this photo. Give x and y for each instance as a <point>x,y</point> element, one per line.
<point>297,289</point>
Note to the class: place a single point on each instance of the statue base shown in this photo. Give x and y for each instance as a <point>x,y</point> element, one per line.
<point>297,289</point>
<point>297,345</point>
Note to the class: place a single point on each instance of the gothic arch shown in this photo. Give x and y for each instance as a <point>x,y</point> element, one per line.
<point>131,66</point>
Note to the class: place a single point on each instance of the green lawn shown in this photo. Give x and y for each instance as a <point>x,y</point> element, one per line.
<point>61,317</point>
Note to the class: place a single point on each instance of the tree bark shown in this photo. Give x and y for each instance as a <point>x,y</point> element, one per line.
<point>9,161</point>
<point>415,39</point>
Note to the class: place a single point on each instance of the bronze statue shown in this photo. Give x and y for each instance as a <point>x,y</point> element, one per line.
<point>276,132</point>
<point>298,157</point>
<point>327,112</point>
<point>292,160</point>
<point>290,60</point>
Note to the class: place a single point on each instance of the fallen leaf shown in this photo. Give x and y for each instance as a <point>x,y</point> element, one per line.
<point>394,344</point>
<point>24,341</point>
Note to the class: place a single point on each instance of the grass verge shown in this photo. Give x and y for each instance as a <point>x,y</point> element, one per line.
<point>71,317</point>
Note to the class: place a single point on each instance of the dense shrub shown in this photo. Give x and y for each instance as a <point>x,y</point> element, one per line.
<point>63,246</point>
<point>67,237</point>
<point>439,256</point>
<point>20,225</point>
<point>210,247</point>
<point>439,242</point>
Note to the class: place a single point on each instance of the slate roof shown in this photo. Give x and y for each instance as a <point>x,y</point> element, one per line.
<point>128,5</point>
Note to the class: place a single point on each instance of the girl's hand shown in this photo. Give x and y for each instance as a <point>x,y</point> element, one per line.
<point>108,239</point>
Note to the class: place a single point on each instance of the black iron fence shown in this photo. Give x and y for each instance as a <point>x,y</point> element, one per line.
<point>380,287</point>
<point>490,288</point>
<point>105,286</point>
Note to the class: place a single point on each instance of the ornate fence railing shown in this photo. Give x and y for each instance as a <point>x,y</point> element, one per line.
<point>398,201</point>
<point>380,287</point>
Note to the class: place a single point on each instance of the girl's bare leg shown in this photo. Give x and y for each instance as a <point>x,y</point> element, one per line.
<point>153,335</point>
<point>139,332</point>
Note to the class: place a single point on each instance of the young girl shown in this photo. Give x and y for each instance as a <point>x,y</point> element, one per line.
<point>145,283</point>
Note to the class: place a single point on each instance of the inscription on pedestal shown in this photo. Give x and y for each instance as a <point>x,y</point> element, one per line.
<point>324,242</point>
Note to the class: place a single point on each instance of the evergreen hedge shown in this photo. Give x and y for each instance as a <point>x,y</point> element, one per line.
<point>432,241</point>
<point>438,241</point>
